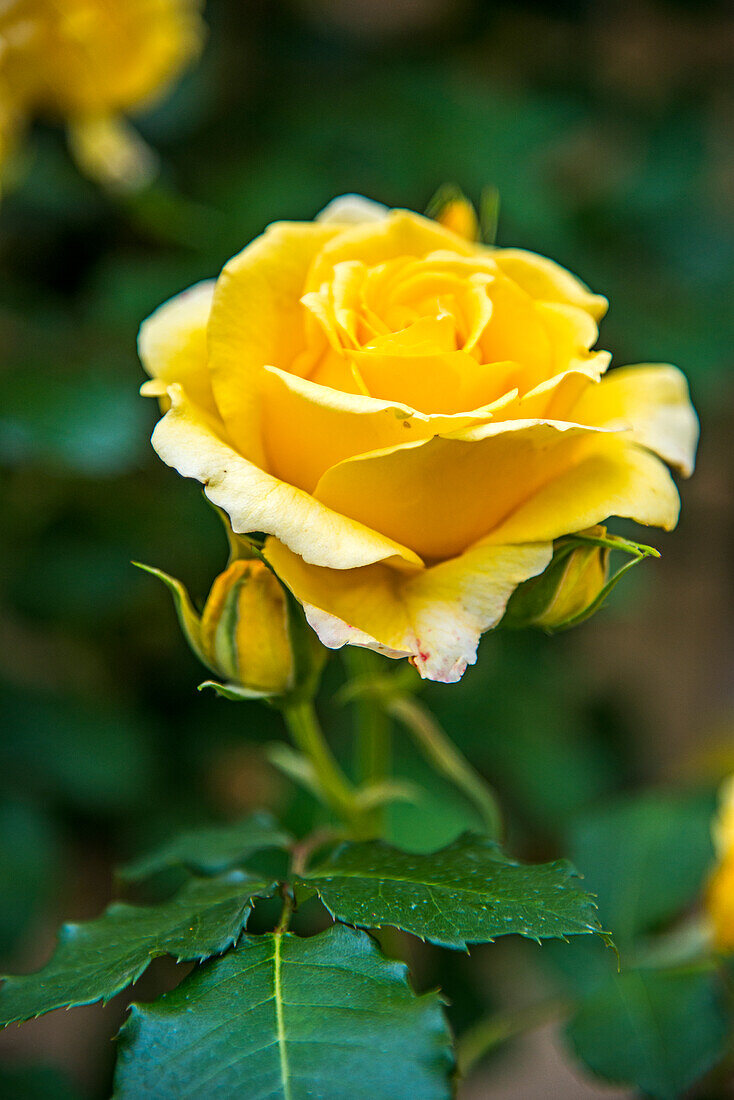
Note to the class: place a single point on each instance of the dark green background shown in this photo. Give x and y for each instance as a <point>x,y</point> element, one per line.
<point>607,130</point>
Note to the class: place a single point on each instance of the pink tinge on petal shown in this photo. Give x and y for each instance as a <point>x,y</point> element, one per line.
<point>441,667</point>
<point>335,633</point>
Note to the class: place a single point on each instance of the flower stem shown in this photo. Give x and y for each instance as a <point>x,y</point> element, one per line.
<point>373,728</point>
<point>338,792</point>
<point>446,758</point>
<point>287,911</point>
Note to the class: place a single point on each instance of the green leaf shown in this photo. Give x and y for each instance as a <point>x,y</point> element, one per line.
<point>658,1031</point>
<point>212,849</point>
<point>290,1018</point>
<point>94,961</point>
<point>468,892</point>
<point>646,858</point>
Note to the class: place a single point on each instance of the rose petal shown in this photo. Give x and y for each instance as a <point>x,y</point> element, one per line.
<point>255,501</point>
<point>401,233</point>
<point>435,615</point>
<point>547,281</point>
<point>333,426</point>
<point>616,478</point>
<point>653,400</point>
<point>443,495</point>
<point>257,319</point>
<point>352,210</point>
<point>172,345</point>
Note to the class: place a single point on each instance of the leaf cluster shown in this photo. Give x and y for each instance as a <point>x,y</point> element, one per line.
<point>279,1014</point>
<point>663,1020</point>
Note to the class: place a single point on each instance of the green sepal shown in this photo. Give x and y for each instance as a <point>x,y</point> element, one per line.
<point>530,599</point>
<point>235,693</point>
<point>639,552</point>
<point>241,547</point>
<point>489,214</point>
<point>442,197</point>
<point>188,616</point>
<point>309,656</point>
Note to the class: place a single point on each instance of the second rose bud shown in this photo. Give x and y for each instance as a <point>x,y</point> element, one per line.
<point>250,633</point>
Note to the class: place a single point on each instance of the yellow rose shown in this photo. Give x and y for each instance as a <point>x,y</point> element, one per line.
<point>88,62</point>
<point>412,418</point>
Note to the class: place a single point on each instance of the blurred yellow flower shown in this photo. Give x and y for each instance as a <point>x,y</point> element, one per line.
<point>412,418</point>
<point>720,895</point>
<point>87,63</point>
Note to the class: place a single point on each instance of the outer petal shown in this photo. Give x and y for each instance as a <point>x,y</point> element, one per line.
<point>352,210</point>
<point>172,345</point>
<point>547,281</point>
<point>435,616</point>
<point>556,397</point>
<point>255,501</point>
<point>257,319</point>
<point>651,399</point>
<point>443,495</point>
<point>615,478</point>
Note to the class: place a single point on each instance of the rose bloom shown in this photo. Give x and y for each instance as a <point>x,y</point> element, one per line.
<point>87,62</point>
<point>411,418</point>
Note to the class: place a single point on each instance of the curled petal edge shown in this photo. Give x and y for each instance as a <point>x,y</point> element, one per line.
<point>434,617</point>
<point>257,501</point>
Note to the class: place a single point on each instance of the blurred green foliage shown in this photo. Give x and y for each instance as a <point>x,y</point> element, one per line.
<point>606,135</point>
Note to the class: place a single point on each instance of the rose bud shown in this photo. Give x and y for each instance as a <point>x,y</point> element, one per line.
<point>451,208</point>
<point>566,592</point>
<point>251,633</point>
<point>575,584</point>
